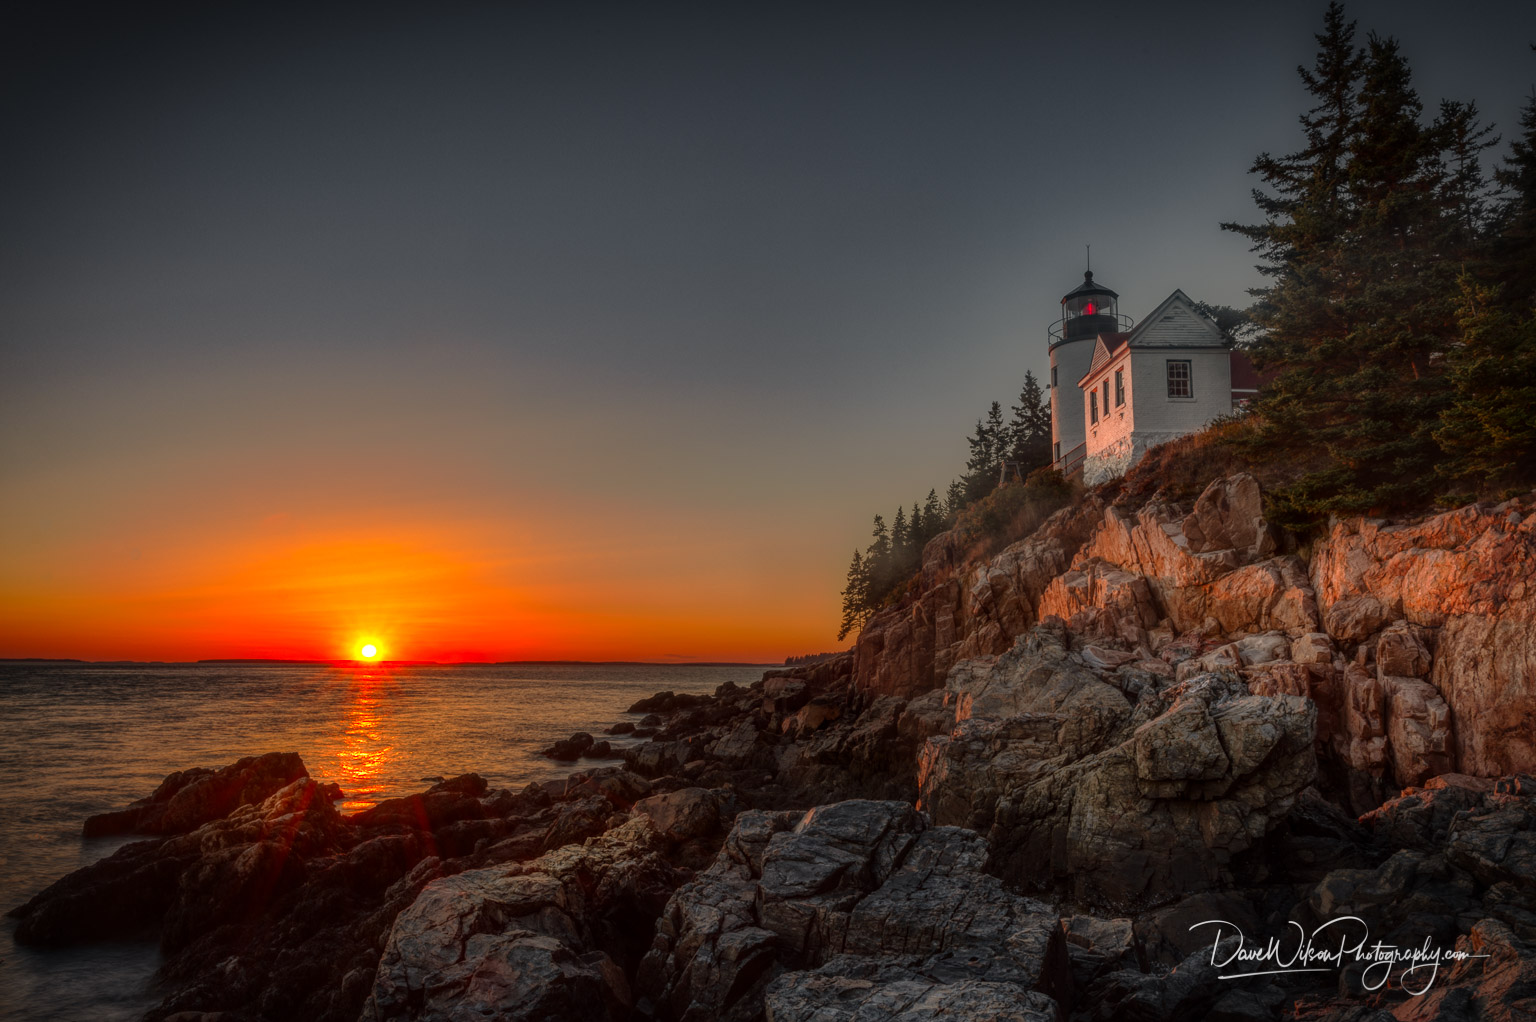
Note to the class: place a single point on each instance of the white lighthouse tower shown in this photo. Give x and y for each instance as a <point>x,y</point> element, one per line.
<point>1086,312</point>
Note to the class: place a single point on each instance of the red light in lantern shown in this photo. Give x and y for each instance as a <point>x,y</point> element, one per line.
<point>1088,309</point>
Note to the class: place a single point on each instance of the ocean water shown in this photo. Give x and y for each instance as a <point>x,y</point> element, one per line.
<point>79,739</point>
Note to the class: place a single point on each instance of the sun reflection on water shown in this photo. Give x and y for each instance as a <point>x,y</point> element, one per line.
<point>366,746</point>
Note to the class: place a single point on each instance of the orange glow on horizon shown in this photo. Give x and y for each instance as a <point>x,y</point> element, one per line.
<point>413,591</point>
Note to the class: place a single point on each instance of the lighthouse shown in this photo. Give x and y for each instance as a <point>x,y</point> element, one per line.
<point>1087,311</point>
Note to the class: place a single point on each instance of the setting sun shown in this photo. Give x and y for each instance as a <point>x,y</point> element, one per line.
<point>370,650</point>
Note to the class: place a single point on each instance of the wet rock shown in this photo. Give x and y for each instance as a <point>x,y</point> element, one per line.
<point>185,884</point>
<point>667,702</point>
<point>445,802</point>
<point>571,748</point>
<point>187,799</point>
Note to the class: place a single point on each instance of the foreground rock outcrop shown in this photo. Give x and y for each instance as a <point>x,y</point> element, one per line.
<point>857,905</point>
<point>1123,785</point>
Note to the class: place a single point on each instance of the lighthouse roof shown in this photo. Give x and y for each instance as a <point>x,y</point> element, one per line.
<point>1088,287</point>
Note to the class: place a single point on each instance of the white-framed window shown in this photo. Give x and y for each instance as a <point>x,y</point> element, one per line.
<point>1180,384</point>
<point>1053,376</point>
<point>1106,397</point>
<point>1119,387</point>
<point>1056,451</point>
<point>1093,405</point>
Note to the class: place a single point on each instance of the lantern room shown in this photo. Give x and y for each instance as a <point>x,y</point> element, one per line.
<point>1087,311</point>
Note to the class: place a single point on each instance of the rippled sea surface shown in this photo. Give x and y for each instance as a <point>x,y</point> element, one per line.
<point>79,739</point>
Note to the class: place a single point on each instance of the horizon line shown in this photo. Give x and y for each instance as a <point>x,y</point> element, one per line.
<point>344,661</point>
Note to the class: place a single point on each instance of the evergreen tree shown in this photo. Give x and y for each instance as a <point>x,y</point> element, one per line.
<point>879,563</point>
<point>1029,431</point>
<point>901,537</point>
<point>933,516</point>
<point>855,598</point>
<point>1490,428</point>
<point>954,498</point>
<point>1306,212</point>
<point>987,448</point>
<point>1513,251</point>
<point>1361,248</point>
<point>1464,186</point>
<point>1237,324</point>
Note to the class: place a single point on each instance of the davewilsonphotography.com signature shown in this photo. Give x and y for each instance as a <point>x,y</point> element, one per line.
<point>1336,944</point>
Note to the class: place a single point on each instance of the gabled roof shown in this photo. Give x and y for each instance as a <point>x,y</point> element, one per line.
<point>1176,323</point>
<point>1105,348</point>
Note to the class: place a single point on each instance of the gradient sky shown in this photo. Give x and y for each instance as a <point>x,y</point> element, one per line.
<point>565,331</point>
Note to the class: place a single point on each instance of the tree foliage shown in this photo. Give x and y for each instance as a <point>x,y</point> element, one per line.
<point>881,571</point>
<point>1365,232</point>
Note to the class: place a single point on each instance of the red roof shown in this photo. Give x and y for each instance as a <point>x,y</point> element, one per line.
<point>1244,375</point>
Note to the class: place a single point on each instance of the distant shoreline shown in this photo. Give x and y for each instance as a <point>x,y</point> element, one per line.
<point>391,663</point>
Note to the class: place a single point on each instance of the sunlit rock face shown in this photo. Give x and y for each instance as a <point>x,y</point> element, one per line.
<point>966,607</point>
<point>1119,785</point>
<point>1457,590</point>
<point>1414,640</point>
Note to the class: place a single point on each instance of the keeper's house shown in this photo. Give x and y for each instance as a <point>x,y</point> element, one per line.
<point>1167,376</point>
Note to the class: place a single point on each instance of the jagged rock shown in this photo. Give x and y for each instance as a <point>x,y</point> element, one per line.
<point>1402,653</point>
<point>1354,618</point>
<point>1420,817</point>
<point>1098,599</point>
<point>192,882</point>
<point>685,814</point>
<point>966,610</point>
<point>1229,515</point>
<point>519,941</point>
<point>443,803</point>
<point>187,799</point>
<point>1496,980</point>
<point>1034,676</point>
<point>1128,806</point>
<point>1464,574</point>
<point>666,702</point>
<point>1312,648</point>
<point>1418,730</point>
<point>855,880</point>
<point>1187,991</point>
<point>785,695</point>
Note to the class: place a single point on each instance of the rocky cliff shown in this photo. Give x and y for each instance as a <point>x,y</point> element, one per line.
<point>1414,640</point>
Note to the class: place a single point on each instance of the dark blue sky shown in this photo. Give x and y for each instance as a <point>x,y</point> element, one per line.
<point>694,264</point>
